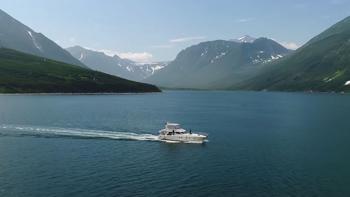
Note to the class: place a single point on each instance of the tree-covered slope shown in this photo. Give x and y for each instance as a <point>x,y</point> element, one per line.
<point>23,73</point>
<point>322,64</point>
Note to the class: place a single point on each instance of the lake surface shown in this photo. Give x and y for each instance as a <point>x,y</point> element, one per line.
<point>260,144</point>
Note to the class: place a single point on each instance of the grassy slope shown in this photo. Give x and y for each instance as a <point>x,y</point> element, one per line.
<point>323,64</point>
<point>23,73</point>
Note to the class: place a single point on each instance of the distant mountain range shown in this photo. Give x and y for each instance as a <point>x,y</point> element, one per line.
<point>115,65</point>
<point>322,64</point>
<point>218,64</point>
<point>30,62</point>
<point>17,36</point>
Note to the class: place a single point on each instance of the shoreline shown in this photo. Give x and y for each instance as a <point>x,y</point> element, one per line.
<point>169,90</point>
<point>75,94</point>
<point>270,91</point>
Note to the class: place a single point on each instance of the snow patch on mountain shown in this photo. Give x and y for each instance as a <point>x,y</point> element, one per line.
<point>81,56</point>
<point>244,39</point>
<point>34,41</point>
<point>157,68</point>
<point>258,59</point>
<point>149,69</point>
<point>129,69</point>
<point>205,52</point>
<point>219,56</point>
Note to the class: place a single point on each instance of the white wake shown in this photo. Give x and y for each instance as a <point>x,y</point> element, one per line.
<point>38,131</point>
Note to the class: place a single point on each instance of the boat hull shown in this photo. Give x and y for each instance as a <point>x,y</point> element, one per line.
<point>190,138</point>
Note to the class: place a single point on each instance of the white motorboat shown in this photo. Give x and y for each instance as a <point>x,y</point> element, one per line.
<point>174,133</point>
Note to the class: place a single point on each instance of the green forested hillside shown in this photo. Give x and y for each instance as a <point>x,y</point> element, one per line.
<point>23,73</point>
<point>322,64</point>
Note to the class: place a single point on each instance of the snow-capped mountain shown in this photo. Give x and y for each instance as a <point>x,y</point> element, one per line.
<point>244,39</point>
<point>17,36</point>
<point>115,65</point>
<point>148,69</point>
<point>218,64</point>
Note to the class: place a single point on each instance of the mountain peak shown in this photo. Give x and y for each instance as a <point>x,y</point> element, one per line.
<point>245,39</point>
<point>114,65</point>
<point>17,36</point>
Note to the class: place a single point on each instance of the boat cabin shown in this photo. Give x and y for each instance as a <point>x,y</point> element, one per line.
<point>173,129</point>
<point>172,126</point>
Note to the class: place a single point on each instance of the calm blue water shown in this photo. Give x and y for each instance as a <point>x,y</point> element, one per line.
<point>261,144</point>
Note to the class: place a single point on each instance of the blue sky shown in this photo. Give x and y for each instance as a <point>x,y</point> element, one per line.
<point>156,30</point>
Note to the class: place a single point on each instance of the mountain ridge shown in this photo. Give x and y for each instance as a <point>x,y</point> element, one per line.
<point>202,66</point>
<point>244,39</point>
<point>16,35</point>
<point>115,65</point>
<point>322,64</point>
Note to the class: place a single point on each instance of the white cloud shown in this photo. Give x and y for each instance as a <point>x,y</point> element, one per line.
<point>172,42</point>
<point>244,20</point>
<point>72,40</point>
<point>106,51</point>
<point>290,45</point>
<point>142,57</point>
<point>186,39</point>
<point>162,46</point>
